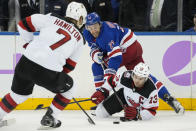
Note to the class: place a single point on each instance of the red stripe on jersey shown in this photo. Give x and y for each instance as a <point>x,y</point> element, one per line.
<point>28,19</point>
<point>152,110</point>
<point>128,38</point>
<point>10,100</point>
<point>114,52</point>
<point>22,26</point>
<point>4,107</point>
<point>98,84</point>
<point>71,62</point>
<point>66,70</point>
<point>159,84</point>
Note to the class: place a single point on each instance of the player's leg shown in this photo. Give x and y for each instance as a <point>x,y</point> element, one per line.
<point>21,90</point>
<point>59,102</point>
<point>132,56</point>
<point>165,96</point>
<point>98,75</point>
<point>111,105</point>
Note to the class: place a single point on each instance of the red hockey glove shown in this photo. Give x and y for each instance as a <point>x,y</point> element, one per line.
<point>99,95</point>
<point>131,113</point>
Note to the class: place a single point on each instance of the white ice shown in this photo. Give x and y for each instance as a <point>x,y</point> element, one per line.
<point>77,121</point>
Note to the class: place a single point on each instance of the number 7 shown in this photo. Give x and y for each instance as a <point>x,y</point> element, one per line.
<point>62,41</point>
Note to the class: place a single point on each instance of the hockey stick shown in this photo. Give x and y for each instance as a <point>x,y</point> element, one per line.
<point>118,98</point>
<point>90,120</point>
<point>40,106</point>
<point>115,93</point>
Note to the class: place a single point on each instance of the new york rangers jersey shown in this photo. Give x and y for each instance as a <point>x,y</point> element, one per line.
<point>112,41</point>
<point>57,47</point>
<point>145,98</point>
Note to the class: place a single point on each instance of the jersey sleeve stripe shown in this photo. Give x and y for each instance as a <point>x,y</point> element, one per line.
<point>27,25</point>
<point>128,37</point>
<point>71,62</point>
<point>98,84</point>
<point>29,22</point>
<point>27,28</point>
<point>117,51</point>
<point>70,65</point>
<point>152,110</point>
<point>20,23</point>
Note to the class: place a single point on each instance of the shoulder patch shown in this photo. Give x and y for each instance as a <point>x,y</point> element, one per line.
<point>127,74</point>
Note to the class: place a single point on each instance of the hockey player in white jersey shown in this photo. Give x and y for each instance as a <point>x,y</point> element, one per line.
<point>138,96</point>
<point>47,60</point>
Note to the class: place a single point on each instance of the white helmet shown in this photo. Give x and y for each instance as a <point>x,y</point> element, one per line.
<point>75,10</point>
<point>141,70</point>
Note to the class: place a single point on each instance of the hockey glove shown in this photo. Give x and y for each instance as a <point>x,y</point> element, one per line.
<point>131,113</point>
<point>97,56</point>
<point>100,95</point>
<point>109,77</point>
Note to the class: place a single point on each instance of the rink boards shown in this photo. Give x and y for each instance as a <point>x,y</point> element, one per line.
<point>171,56</point>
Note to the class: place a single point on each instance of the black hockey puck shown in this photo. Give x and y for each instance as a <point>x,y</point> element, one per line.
<point>116,122</point>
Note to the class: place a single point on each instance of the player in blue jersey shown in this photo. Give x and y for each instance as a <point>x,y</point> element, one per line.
<point>112,47</point>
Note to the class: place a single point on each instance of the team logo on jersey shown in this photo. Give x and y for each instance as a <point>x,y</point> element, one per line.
<point>141,68</point>
<point>111,44</point>
<point>127,75</point>
<point>133,103</point>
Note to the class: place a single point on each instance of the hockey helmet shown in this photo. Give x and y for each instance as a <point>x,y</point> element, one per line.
<point>76,10</point>
<point>141,70</point>
<point>92,19</point>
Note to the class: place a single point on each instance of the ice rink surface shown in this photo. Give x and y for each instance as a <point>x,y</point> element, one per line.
<point>77,121</point>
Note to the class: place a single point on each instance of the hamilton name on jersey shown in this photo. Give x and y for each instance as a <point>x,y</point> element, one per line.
<point>68,27</point>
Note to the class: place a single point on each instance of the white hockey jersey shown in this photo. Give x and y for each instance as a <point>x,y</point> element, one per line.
<point>57,47</point>
<point>144,98</point>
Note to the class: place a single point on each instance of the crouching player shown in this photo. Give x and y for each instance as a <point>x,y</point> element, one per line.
<point>137,92</point>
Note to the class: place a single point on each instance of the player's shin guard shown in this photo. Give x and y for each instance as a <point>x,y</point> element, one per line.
<point>58,104</point>
<point>174,104</point>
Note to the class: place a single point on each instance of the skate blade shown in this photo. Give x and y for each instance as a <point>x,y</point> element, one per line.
<point>7,122</point>
<point>45,128</point>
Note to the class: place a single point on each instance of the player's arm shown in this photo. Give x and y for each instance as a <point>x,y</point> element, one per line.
<point>115,58</point>
<point>30,24</point>
<point>149,107</point>
<point>73,59</point>
<point>95,52</point>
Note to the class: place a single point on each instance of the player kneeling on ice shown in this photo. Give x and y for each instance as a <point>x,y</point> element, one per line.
<point>47,60</point>
<point>138,96</point>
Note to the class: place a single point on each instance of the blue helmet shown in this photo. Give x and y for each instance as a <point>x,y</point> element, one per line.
<point>92,19</point>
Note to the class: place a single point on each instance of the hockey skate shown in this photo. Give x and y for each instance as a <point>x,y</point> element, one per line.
<point>48,121</point>
<point>179,109</point>
<point>7,122</point>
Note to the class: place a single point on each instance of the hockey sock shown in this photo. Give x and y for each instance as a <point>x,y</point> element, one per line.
<point>58,104</point>
<point>10,101</point>
<point>162,93</point>
<point>7,104</point>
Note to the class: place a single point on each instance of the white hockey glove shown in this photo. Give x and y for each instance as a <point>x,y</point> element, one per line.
<point>97,56</point>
